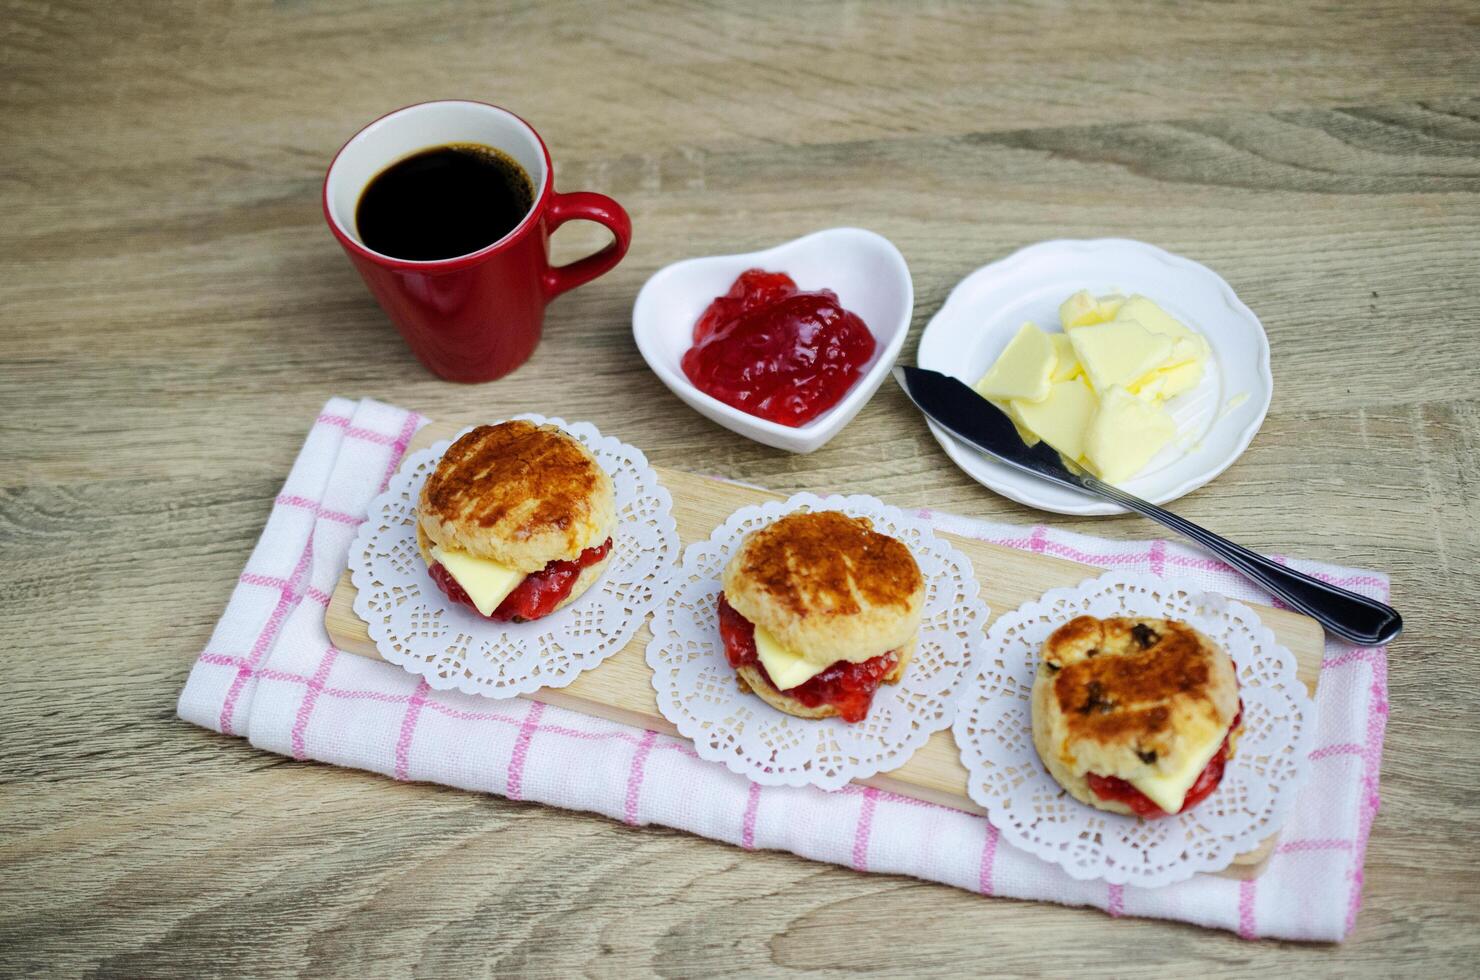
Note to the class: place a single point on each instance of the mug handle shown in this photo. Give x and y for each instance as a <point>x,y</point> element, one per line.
<point>586,206</point>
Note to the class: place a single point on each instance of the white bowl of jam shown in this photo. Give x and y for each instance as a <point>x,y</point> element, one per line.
<point>780,356</point>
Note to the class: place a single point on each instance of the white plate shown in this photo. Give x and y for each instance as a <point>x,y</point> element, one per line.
<point>1214,424</point>
<point>863,268</point>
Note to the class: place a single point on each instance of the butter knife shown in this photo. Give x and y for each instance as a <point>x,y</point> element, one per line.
<point>968,416</point>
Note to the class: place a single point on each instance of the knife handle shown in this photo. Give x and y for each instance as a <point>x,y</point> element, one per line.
<point>1346,614</point>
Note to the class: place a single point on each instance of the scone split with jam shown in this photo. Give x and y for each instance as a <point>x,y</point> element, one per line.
<point>818,610</point>
<point>1135,716</point>
<point>516,521</point>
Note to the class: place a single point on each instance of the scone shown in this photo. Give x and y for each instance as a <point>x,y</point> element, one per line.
<point>516,521</point>
<point>818,610</point>
<point>1135,716</point>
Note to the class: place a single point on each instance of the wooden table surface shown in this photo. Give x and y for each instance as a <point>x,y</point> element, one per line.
<point>174,312</point>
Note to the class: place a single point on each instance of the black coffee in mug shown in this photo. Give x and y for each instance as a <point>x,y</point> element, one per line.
<point>443,202</point>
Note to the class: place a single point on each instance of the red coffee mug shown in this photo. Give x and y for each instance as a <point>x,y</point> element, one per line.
<point>478,316</point>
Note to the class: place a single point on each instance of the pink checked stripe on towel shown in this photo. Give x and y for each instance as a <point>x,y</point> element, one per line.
<point>270,675</point>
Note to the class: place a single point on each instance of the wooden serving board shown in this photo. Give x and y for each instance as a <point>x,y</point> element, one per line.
<point>620,689</point>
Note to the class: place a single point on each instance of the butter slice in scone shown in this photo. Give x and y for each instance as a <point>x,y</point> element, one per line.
<point>1168,790</point>
<point>486,582</point>
<point>786,668</point>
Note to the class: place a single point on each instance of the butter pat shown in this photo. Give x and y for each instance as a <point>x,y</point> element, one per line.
<point>786,667</point>
<point>1062,418</point>
<point>1125,433</point>
<point>1029,437</point>
<point>1187,344</point>
<point>1024,369</point>
<point>1066,364</point>
<point>1153,318</point>
<point>1168,382</point>
<point>486,582</point>
<point>1083,309</point>
<point>1119,353</point>
<point>1168,790</point>
<point>1188,350</point>
<point>1095,392</point>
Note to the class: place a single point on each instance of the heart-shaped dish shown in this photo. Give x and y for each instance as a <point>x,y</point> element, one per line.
<point>863,268</point>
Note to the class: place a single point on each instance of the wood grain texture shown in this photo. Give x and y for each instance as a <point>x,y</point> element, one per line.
<point>173,313</point>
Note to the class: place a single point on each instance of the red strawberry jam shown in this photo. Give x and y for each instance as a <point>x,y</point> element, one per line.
<point>1115,788</point>
<point>778,353</point>
<point>846,686</point>
<point>536,596</point>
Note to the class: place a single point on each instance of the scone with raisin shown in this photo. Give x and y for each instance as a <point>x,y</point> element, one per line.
<point>1135,716</point>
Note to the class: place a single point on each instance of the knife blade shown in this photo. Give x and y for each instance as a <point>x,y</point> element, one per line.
<point>958,409</point>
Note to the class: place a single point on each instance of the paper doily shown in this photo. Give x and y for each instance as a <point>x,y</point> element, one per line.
<point>415,625</point>
<point>698,691</point>
<point>994,732</point>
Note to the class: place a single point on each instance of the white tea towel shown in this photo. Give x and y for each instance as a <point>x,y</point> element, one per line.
<point>271,675</point>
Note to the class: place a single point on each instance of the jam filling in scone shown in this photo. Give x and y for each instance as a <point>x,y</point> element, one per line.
<point>537,594</point>
<point>845,686</point>
<point>1115,788</point>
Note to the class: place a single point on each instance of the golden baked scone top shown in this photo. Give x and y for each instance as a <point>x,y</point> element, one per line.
<point>519,494</point>
<point>827,586</point>
<point>1137,685</point>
